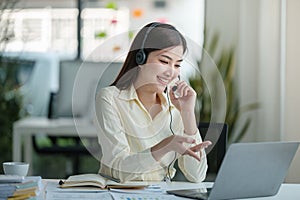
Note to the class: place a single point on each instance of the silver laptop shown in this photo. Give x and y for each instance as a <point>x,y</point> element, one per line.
<point>248,170</point>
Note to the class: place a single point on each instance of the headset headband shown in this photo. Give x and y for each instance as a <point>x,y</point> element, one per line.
<point>141,56</point>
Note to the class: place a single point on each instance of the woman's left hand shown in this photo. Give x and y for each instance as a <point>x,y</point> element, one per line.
<point>185,98</point>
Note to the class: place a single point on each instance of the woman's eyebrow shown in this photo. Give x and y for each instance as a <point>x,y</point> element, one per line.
<point>168,57</point>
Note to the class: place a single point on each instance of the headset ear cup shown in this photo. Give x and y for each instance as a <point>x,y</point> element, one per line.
<point>140,57</point>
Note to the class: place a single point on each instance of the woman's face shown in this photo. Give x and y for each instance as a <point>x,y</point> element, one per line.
<point>161,68</point>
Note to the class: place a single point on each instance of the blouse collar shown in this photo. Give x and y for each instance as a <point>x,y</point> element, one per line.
<point>130,94</point>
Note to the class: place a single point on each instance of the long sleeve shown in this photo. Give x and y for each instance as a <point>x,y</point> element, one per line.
<point>117,154</point>
<point>192,169</point>
<point>126,133</point>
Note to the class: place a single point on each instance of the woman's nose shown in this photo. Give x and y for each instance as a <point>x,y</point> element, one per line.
<point>171,72</point>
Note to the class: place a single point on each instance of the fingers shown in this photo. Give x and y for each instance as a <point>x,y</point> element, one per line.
<point>183,89</point>
<point>175,143</point>
<point>193,154</point>
<point>193,150</point>
<point>200,146</point>
<point>206,143</point>
<point>182,139</point>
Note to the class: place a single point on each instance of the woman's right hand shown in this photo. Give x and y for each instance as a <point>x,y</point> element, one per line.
<point>175,143</point>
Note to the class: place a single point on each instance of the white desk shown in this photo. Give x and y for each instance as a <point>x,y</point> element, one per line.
<point>25,128</point>
<point>286,192</point>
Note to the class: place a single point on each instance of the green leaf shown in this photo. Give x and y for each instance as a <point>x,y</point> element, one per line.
<point>101,35</point>
<point>111,5</point>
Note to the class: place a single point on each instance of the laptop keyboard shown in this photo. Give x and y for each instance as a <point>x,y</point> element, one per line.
<point>200,193</point>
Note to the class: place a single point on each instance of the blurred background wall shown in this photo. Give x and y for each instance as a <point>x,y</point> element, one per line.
<point>266,35</point>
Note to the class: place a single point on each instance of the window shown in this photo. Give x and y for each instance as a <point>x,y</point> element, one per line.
<point>104,25</point>
<point>64,32</point>
<point>55,30</point>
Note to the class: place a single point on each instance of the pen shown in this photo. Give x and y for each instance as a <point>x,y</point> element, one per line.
<point>110,178</point>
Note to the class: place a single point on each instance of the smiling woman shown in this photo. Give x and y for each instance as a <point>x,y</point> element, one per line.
<point>162,67</point>
<point>143,127</point>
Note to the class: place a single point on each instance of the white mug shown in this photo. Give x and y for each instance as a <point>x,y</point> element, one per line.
<point>16,168</point>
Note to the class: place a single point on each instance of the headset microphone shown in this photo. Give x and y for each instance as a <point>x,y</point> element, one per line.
<point>174,88</point>
<point>176,94</point>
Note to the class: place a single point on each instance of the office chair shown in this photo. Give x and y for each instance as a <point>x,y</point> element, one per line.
<point>217,134</point>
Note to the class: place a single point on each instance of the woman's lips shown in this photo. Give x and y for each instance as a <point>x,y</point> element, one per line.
<point>163,81</point>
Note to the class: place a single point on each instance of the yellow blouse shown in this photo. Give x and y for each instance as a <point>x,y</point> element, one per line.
<point>127,132</point>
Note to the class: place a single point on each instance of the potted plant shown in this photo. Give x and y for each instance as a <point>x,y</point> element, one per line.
<point>225,62</point>
<point>10,98</point>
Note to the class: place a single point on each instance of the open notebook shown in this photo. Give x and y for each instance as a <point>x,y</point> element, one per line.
<point>96,180</point>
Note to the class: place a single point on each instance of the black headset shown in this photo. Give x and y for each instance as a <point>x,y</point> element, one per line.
<point>141,56</point>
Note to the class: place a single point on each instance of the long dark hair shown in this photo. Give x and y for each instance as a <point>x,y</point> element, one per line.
<point>161,36</point>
